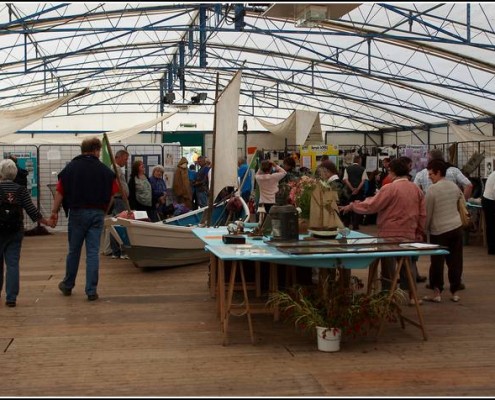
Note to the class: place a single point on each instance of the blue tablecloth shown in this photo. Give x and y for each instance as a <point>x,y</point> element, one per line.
<point>259,250</point>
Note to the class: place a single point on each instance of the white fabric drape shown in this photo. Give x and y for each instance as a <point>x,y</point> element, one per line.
<point>226,128</point>
<point>113,137</point>
<point>300,128</point>
<point>13,120</point>
<point>122,134</point>
<point>464,135</point>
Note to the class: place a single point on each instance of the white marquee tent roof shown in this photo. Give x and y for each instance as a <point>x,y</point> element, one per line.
<point>378,67</point>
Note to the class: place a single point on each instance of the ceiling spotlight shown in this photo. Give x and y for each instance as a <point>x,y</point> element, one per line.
<point>200,97</point>
<point>169,98</point>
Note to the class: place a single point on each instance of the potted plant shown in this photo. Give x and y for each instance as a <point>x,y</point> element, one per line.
<point>337,307</point>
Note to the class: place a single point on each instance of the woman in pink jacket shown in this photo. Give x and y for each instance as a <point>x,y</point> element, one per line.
<point>401,210</point>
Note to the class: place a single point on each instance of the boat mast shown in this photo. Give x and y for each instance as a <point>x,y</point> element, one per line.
<point>211,184</point>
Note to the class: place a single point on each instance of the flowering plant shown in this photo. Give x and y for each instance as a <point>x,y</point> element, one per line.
<point>300,193</point>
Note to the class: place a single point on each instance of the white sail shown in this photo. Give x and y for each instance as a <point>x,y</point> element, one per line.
<point>226,129</point>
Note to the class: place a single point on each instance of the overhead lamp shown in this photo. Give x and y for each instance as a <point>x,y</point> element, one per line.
<point>200,97</point>
<point>169,98</point>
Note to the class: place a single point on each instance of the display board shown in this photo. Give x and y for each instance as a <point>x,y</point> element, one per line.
<point>310,156</point>
<point>29,162</point>
<point>418,154</point>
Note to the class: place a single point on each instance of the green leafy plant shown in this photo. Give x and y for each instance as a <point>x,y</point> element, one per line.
<point>337,303</point>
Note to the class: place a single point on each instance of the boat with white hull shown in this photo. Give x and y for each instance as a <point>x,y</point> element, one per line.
<point>166,243</point>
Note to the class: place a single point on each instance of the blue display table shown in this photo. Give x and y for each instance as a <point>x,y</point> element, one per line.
<point>366,254</point>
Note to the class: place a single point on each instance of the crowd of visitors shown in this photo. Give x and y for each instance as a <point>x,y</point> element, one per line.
<point>423,208</point>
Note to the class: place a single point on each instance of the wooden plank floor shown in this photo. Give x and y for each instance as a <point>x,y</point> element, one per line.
<point>155,333</point>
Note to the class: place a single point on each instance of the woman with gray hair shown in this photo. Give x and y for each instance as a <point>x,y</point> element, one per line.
<point>13,199</point>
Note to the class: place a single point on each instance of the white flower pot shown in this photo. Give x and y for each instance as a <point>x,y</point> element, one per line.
<point>328,339</point>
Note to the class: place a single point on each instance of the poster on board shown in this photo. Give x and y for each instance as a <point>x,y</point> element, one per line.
<point>311,155</point>
<point>29,162</point>
<point>418,154</point>
<point>488,166</point>
<point>371,163</point>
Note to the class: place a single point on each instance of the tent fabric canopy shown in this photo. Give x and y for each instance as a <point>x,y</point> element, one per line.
<point>300,128</point>
<point>372,68</point>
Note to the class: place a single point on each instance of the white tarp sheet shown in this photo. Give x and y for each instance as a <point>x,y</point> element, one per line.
<point>113,137</point>
<point>300,128</point>
<point>13,120</point>
<point>464,135</point>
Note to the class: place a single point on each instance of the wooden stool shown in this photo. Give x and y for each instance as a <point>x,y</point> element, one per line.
<point>402,262</point>
<point>245,306</point>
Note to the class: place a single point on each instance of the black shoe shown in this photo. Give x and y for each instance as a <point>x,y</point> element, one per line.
<point>92,297</point>
<point>64,290</point>
<point>421,279</point>
<point>10,303</point>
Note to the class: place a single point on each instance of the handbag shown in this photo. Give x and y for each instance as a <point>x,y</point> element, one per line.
<point>463,212</point>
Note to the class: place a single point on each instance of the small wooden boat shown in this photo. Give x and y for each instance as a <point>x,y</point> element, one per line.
<point>167,243</point>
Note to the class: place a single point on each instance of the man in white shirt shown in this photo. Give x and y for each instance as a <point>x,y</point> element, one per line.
<point>453,174</point>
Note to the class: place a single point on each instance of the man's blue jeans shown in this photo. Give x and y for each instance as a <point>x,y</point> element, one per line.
<point>10,252</point>
<point>85,227</point>
<point>202,198</point>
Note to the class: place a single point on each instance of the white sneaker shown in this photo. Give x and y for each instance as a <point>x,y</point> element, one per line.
<point>455,298</point>
<point>412,302</point>
<point>124,257</point>
<point>114,257</point>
